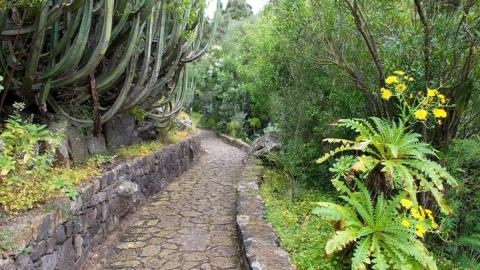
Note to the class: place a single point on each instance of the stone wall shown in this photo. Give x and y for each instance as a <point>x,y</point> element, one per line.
<point>234,142</point>
<point>259,244</point>
<point>60,235</point>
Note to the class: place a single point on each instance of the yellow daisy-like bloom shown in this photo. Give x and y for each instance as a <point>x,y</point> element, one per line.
<point>405,223</point>
<point>432,92</point>
<point>391,80</point>
<point>406,203</point>
<point>420,230</point>
<point>417,214</point>
<point>439,113</point>
<point>410,79</point>
<point>386,94</point>
<point>401,88</point>
<point>421,114</point>
<point>428,211</point>
<point>399,72</point>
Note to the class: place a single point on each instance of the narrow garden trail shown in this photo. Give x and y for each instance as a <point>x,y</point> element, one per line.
<point>190,225</point>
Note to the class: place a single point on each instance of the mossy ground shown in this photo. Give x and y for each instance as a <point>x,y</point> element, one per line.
<point>302,234</point>
<point>25,192</point>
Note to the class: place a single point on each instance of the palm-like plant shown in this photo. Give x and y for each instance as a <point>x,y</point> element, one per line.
<point>393,157</point>
<point>380,239</point>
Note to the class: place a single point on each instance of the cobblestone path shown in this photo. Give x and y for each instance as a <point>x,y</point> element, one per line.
<point>190,225</point>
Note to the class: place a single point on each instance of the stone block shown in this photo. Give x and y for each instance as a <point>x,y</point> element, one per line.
<point>96,144</point>
<point>77,145</point>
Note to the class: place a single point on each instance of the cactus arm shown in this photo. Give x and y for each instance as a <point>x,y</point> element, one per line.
<point>98,53</point>
<point>75,52</point>
<point>38,40</point>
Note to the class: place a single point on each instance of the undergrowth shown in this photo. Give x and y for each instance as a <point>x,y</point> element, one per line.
<point>302,234</point>
<point>25,191</point>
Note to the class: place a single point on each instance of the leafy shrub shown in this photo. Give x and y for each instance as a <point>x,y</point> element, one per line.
<point>27,148</point>
<point>235,128</point>
<point>139,114</point>
<point>381,236</point>
<point>461,230</point>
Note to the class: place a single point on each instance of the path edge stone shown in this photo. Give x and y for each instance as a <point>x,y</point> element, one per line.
<point>62,234</point>
<point>258,241</point>
<point>234,142</point>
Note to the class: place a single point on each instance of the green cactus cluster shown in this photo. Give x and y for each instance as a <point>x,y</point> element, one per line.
<point>101,56</point>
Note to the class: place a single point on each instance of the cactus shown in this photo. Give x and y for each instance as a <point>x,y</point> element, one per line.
<point>105,56</point>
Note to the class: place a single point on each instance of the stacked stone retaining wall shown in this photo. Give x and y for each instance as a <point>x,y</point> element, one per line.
<point>61,234</point>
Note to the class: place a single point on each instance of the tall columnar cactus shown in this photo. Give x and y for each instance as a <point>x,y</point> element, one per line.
<point>92,59</point>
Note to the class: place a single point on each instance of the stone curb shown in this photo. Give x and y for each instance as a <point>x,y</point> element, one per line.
<point>234,142</point>
<point>259,244</point>
<point>61,235</point>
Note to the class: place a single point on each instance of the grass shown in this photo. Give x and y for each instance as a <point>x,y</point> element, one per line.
<point>302,234</point>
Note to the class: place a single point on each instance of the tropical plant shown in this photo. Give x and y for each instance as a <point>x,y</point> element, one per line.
<point>392,157</point>
<point>116,54</point>
<point>377,234</point>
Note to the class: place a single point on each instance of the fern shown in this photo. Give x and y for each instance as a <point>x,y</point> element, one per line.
<point>378,237</point>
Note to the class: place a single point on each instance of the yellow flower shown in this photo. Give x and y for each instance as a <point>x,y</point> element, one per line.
<point>432,92</point>
<point>405,223</point>
<point>411,96</point>
<point>406,203</point>
<point>439,122</point>
<point>391,80</point>
<point>421,114</point>
<point>401,88</point>
<point>417,214</point>
<point>411,79</point>
<point>420,230</point>
<point>439,113</point>
<point>386,94</point>
<point>434,225</point>
<point>399,72</point>
<point>428,211</point>
<point>443,101</point>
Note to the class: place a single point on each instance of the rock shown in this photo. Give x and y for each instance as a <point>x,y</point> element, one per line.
<point>120,131</point>
<point>96,144</point>
<point>127,189</point>
<point>60,235</point>
<point>62,158</point>
<point>146,132</point>
<point>184,124</point>
<point>78,145</point>
<point>49,261</point>
<point>7,264</point>
<point>66,255</point>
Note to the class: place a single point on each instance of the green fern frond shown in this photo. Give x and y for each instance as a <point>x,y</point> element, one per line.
<point>361,254</point>
<point>340,240</point>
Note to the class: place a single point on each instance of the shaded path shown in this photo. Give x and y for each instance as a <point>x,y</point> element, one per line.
<point>191,225</point>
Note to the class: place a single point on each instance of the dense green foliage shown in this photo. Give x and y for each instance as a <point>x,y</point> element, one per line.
<point>300,66</point>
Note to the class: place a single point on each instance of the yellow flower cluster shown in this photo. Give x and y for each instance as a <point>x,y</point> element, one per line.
<point>420,106</point>
<point>421,218</point>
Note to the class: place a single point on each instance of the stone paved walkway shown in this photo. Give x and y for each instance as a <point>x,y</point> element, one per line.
<point>188,226</point>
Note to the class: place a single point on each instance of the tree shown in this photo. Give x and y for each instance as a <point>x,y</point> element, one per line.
<point>238,9</point>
